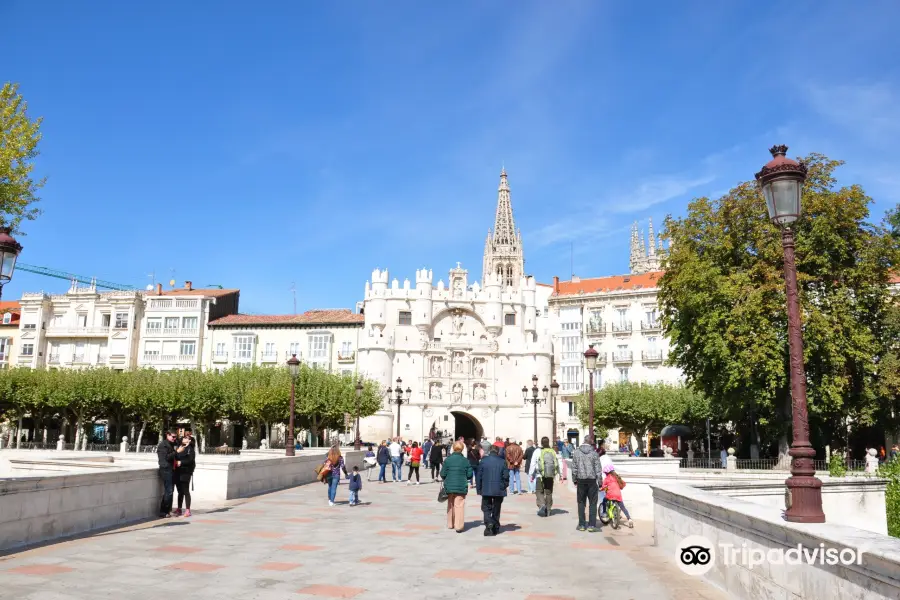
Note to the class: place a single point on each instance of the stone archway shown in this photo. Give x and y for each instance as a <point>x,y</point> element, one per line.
<point>467,426</point>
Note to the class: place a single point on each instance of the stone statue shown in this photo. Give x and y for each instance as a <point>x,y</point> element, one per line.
<point>871,460</point>
<point>436,367</point>
<point>434,392</point>
<point>479,369</point>
<point>457,393</point>
<point>264,444</point>
<point>459,322</point>
<point>458,363</point>
<point>458,288</point>
<point>479,393</point>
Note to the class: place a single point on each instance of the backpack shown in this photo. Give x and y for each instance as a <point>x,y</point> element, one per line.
<point>548,463</point>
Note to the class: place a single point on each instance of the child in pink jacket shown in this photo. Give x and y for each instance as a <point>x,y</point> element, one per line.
<point>612,485</point>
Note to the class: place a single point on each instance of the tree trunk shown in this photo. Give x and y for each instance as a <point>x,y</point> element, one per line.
<point>77,431</point>
<point>314,430</point>
<point>137,446</point>
<point>19,433</point>
<point>131,431</point>
<point>45,435</point>
<point>269,435</point>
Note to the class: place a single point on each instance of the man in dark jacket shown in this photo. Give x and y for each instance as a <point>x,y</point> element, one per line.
<point>491,481</point>
<point>529,452</point>
<point>586,472</point>
<point>165,453</point>
<point>383,457</point>
<point>426,452</point>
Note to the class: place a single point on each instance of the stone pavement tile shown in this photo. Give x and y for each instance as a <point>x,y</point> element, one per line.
<point>376,559</point>
<point>587,546</point>
<point>300,520</point>
<point>532,534</point>
<point>397,533</point>
<point>269,535</point>
<point>331,591</point>
<point>178,549</point>
<point>423,527</point>
<point>41,570</point>
<point>279,566</point>
<point>545,597</point>
<point>459,574</point>
<point>212,521</point>
<point>493,550</point>
<point>196,567</point>
<point>301,548</point>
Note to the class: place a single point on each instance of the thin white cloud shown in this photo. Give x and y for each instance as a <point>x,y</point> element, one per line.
<point>656,190</point>
<point>871,110</point>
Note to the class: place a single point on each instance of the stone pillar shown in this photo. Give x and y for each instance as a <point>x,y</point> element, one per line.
<point>690,454</point>
<point>61,443</point>
<point>123,447</point>
<point>731,463</point>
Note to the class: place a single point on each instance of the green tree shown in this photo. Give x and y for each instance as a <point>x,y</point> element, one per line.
<point>723,303</point>
<point>893,221</point>
<point>640,408</point>
<point>19,138</point>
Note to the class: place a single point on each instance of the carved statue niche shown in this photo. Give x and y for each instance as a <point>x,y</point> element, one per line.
<point>458,290</point>
<point>458,362</point>
<point>457,392</point>
<point>478,368</point>
<point>434,391</point>
<point>480,394</point>
<point>437,366</point>
<point>459,322</point>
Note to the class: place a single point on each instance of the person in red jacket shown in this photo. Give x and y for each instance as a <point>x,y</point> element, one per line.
<point>415,460</point>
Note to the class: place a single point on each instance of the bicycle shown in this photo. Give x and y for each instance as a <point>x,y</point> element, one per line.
<point>613,515</point>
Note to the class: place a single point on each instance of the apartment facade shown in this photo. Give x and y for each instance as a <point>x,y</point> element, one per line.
<point>10,312</point>
<point>173,331</point>
<point>326,339</point>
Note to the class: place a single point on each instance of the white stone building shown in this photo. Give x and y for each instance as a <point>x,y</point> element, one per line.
<point>10,312</point>
<point>619,315</point>
<point>464,349</point>
<point>327,339</point>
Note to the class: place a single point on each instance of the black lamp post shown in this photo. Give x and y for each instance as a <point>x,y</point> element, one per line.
<point>534,400</point>
<point>554,394</point>
<point>294,365</point>
<point>398,400</point>
<point>781,181</point>
<point>9,252</point>
<point>359,390</point>
<point>590,363</point>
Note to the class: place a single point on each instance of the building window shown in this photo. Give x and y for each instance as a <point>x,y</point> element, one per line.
<point>31,326</point>
<point>220,348</point>
<point>121,320</point>
<point>652,317</point>
<point>318,347</point>
<point>243,347</point>
<point>27,349</point>
<point>58,320</point>
<point>171,323</point>
<point>346,348</point>
<point>105,320</point>
<point>572,407</point>
<point>7,318</point>
<point>189,323</point>
<point>570,326</point>
<point>81,319</point>
<point>188,348</point>
<point>623,374</point>
<point>294,349</point>
<point>509,319</point>
<point>405,317</point>
<point>154,324</point>
<point>270,349</point>
<point>151,348</point>
<point>570,379</point>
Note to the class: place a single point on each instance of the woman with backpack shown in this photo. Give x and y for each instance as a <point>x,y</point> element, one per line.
<point>544,467</point>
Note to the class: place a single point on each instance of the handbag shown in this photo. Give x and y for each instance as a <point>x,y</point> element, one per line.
<point>323,470</point>
<point>442,494</point>
<point>414,464</point>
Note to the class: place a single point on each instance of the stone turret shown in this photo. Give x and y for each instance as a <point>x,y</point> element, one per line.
<point>375,311</point>
<point>529,293</point>
<point>422,311</point>
<point>493,310</point>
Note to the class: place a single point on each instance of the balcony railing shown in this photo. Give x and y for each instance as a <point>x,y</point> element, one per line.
<point>78,359</point>
<point>4,357</point>
<point>622,327</point>
<point>346,356</point>
<point>181,303</point>
<point>651,355</point>
<point>166,303</point>
<point>220,357</point>
<point>650,326</point>
<point>623,356</point>
<point>268,357</point>
<point>55,330</point>
<point>573,355</point>
<point>595,328</point>
<point>571,388</point>
<point>170,358</point>
<point>53,359</point>
<point>173,331</point>
<point>102,357</point>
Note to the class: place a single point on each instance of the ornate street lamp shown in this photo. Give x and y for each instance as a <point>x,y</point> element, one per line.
<point>554,394</point>
<point>359,390</point>
<point>294,365</point>
<point>534,400</point>
<point>590,363</point>
<point>9,252</point>
<point>781,180</point>
<point>398,400</point>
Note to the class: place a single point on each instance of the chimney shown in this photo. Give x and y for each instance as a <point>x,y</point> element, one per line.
<point>555,284</point>
<point>159,289</point>
<point>188,285</point>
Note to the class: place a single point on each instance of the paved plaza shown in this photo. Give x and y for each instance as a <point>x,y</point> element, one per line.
<point>396,545</point>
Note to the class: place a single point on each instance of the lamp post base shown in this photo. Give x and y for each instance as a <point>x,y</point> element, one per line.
<point>804,490</point>
<point>289,445</point>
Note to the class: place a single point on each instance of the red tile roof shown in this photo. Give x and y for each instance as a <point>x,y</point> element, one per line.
<point>608,284</point>
<point>13,307</point>
<point>340,316</point>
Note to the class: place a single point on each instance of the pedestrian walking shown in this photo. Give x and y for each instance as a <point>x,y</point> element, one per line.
<point>514,457</point>
<point>426,452</point>
<point>415,460</point>
<point>456,473</point>
<point>383,458</point>
<point>396,460</point>
<point>587,470</point>
<point>474,456</point>
<point>355,486</point>
<point>491,482</point>
<point>165,455</point>
<point>529,452</point>
<point>370,461</point>
<point>565,453</point>
<point>185,462</point>
<point>544,467</point>
<point>336,462</point>
<point>436,460</point>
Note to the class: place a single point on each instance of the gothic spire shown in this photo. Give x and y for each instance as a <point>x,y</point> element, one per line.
<point>504,225</point>
<point>651,239</point>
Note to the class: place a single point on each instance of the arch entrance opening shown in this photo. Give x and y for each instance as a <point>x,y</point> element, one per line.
<point>467,426</point>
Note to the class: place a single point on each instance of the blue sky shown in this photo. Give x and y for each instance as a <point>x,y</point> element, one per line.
<point>256,145</point>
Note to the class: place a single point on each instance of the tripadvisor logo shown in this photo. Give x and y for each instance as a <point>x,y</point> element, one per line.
<point>696,555</point>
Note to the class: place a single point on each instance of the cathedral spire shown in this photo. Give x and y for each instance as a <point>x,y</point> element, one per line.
<point>503,255</point>
<point>651,239</point>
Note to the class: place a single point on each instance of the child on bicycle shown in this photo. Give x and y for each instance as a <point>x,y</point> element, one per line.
<point>612,486</point>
